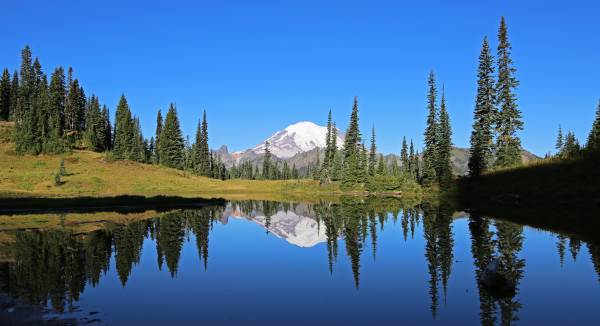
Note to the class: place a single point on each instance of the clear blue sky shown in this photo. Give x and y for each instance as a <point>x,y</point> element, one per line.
<point>257,66</point>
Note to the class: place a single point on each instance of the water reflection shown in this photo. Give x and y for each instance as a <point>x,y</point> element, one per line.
<point>54,267</point>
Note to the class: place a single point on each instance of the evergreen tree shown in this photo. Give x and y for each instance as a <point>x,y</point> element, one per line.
<point>593,142</point>
<point>571,148</point>
<point>56,109</point>
<point>159,126</point>
<point>354,165</point>
<point>171,141</point>
<point>267,164</point>
<point>372,154</point>
<point>404,159</point>
<point>381,166</point>
<point>202,151</point>
<point>39,109</point>
<point>25,115</point>
<point>123,131</point>
<point>444,147</point>
<point>411,158</point>
<point>482,136</point>
<point>430,152</point>
<point>508,120</point>
<point>94,126</point>
<point>107,139</point>
<point>330,150</point>
<point>14,96</point>
<point>5,100</point>
<point>559,141</point>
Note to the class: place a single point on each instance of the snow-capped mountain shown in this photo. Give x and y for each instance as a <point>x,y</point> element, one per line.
<point>294,226</point>
<point>297,138</point>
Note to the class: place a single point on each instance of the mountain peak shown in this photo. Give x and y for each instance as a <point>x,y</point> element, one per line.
<point>297,138</point>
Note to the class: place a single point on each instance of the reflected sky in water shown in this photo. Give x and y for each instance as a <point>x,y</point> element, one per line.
<point>351,263</point>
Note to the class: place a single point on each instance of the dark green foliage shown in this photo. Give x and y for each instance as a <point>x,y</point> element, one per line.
<point>571,147</point>
<point>56,109</point>
<point>593,142</point>
<point>201,149</point>
<point>372,154</point>
<point>381,166</point>
<point>171,141</point>
<point>159,126</point>
<point>508,120</point>
<point>25,115</point>
<point>330,151</point>
<point>559,140</point>
<point>267,166</point>
<point>404,159</point>
<point>5,93</point>
<point>94,126</point>
<point>444,147</point>
<point>482,136</point>
<point>123,132</point>
<point>430,152</point>
<point>355,161</point>
<point>106,126</point>
<point>74,110</point>
<point>14,96</point>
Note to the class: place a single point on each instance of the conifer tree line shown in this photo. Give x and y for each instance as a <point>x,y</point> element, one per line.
<point>358,168</point>
<point>437,166</point>
<point>497,118</point>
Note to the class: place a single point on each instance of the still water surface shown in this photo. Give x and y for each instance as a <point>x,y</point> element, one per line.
<point>259,263</point>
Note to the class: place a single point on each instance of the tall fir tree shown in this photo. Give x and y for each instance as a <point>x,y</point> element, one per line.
<point>5,100</point>
<point>372,154</point>
<point>56,107</point>
<point>354,167</point>
<point>107,139</point>
<point>123,131</point>
<point>329,150</point>
<point>25,115</point>
<point>411,158</point>
<point>430,151</point>
<point>94,126</point>
<point>593,141</point>
<point>508,121</point>
<point>482,137</point>
<point>381,166</point>
<point>267,163</point>
<point>559,141</point>
<point>171,141</point>
<point>444,146</point>
<point>571,148</point>
<point>404,156</point>
<point>202,151</point>
<point>14,96</point>
<point>159,126</point>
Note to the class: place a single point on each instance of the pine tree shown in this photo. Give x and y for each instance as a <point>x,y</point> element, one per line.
<point>14,96</point>
<point>593,142</point>
<point>267,164</point>
<point>411,158</point>
<point>202,151</point>
<point>404,156</point>
<point>330,149</point>
<point>5,100</point>
<point>94,126</point>
<point>559,141</point>
<point>372,154</point>
<point>381,166</point>
<point>354,166</point>
<point>171,141</point>
<point>444,147</point>
<point>508,120</point>
<point>159,126</point>
<point>107,139</point>
<point>430,152</point>
<point>56,109</point>
<point>482,136</point>
<point>123,134</point>
<point>24,115</point>
<point>571,149</point>
<point>39,109</point>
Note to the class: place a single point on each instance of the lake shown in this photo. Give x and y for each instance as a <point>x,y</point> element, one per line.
<point>355,262</point>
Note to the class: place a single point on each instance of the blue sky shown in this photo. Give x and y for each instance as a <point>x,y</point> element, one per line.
<point>258,66</point>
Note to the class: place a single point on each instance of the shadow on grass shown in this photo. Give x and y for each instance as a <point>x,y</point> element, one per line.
<point>560,196</point>
<point>120,204</point>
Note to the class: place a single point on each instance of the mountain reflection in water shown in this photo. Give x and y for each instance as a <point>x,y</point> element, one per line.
<point>55,268</point>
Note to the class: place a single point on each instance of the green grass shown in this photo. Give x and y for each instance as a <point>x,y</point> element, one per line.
<point>92,174</point>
